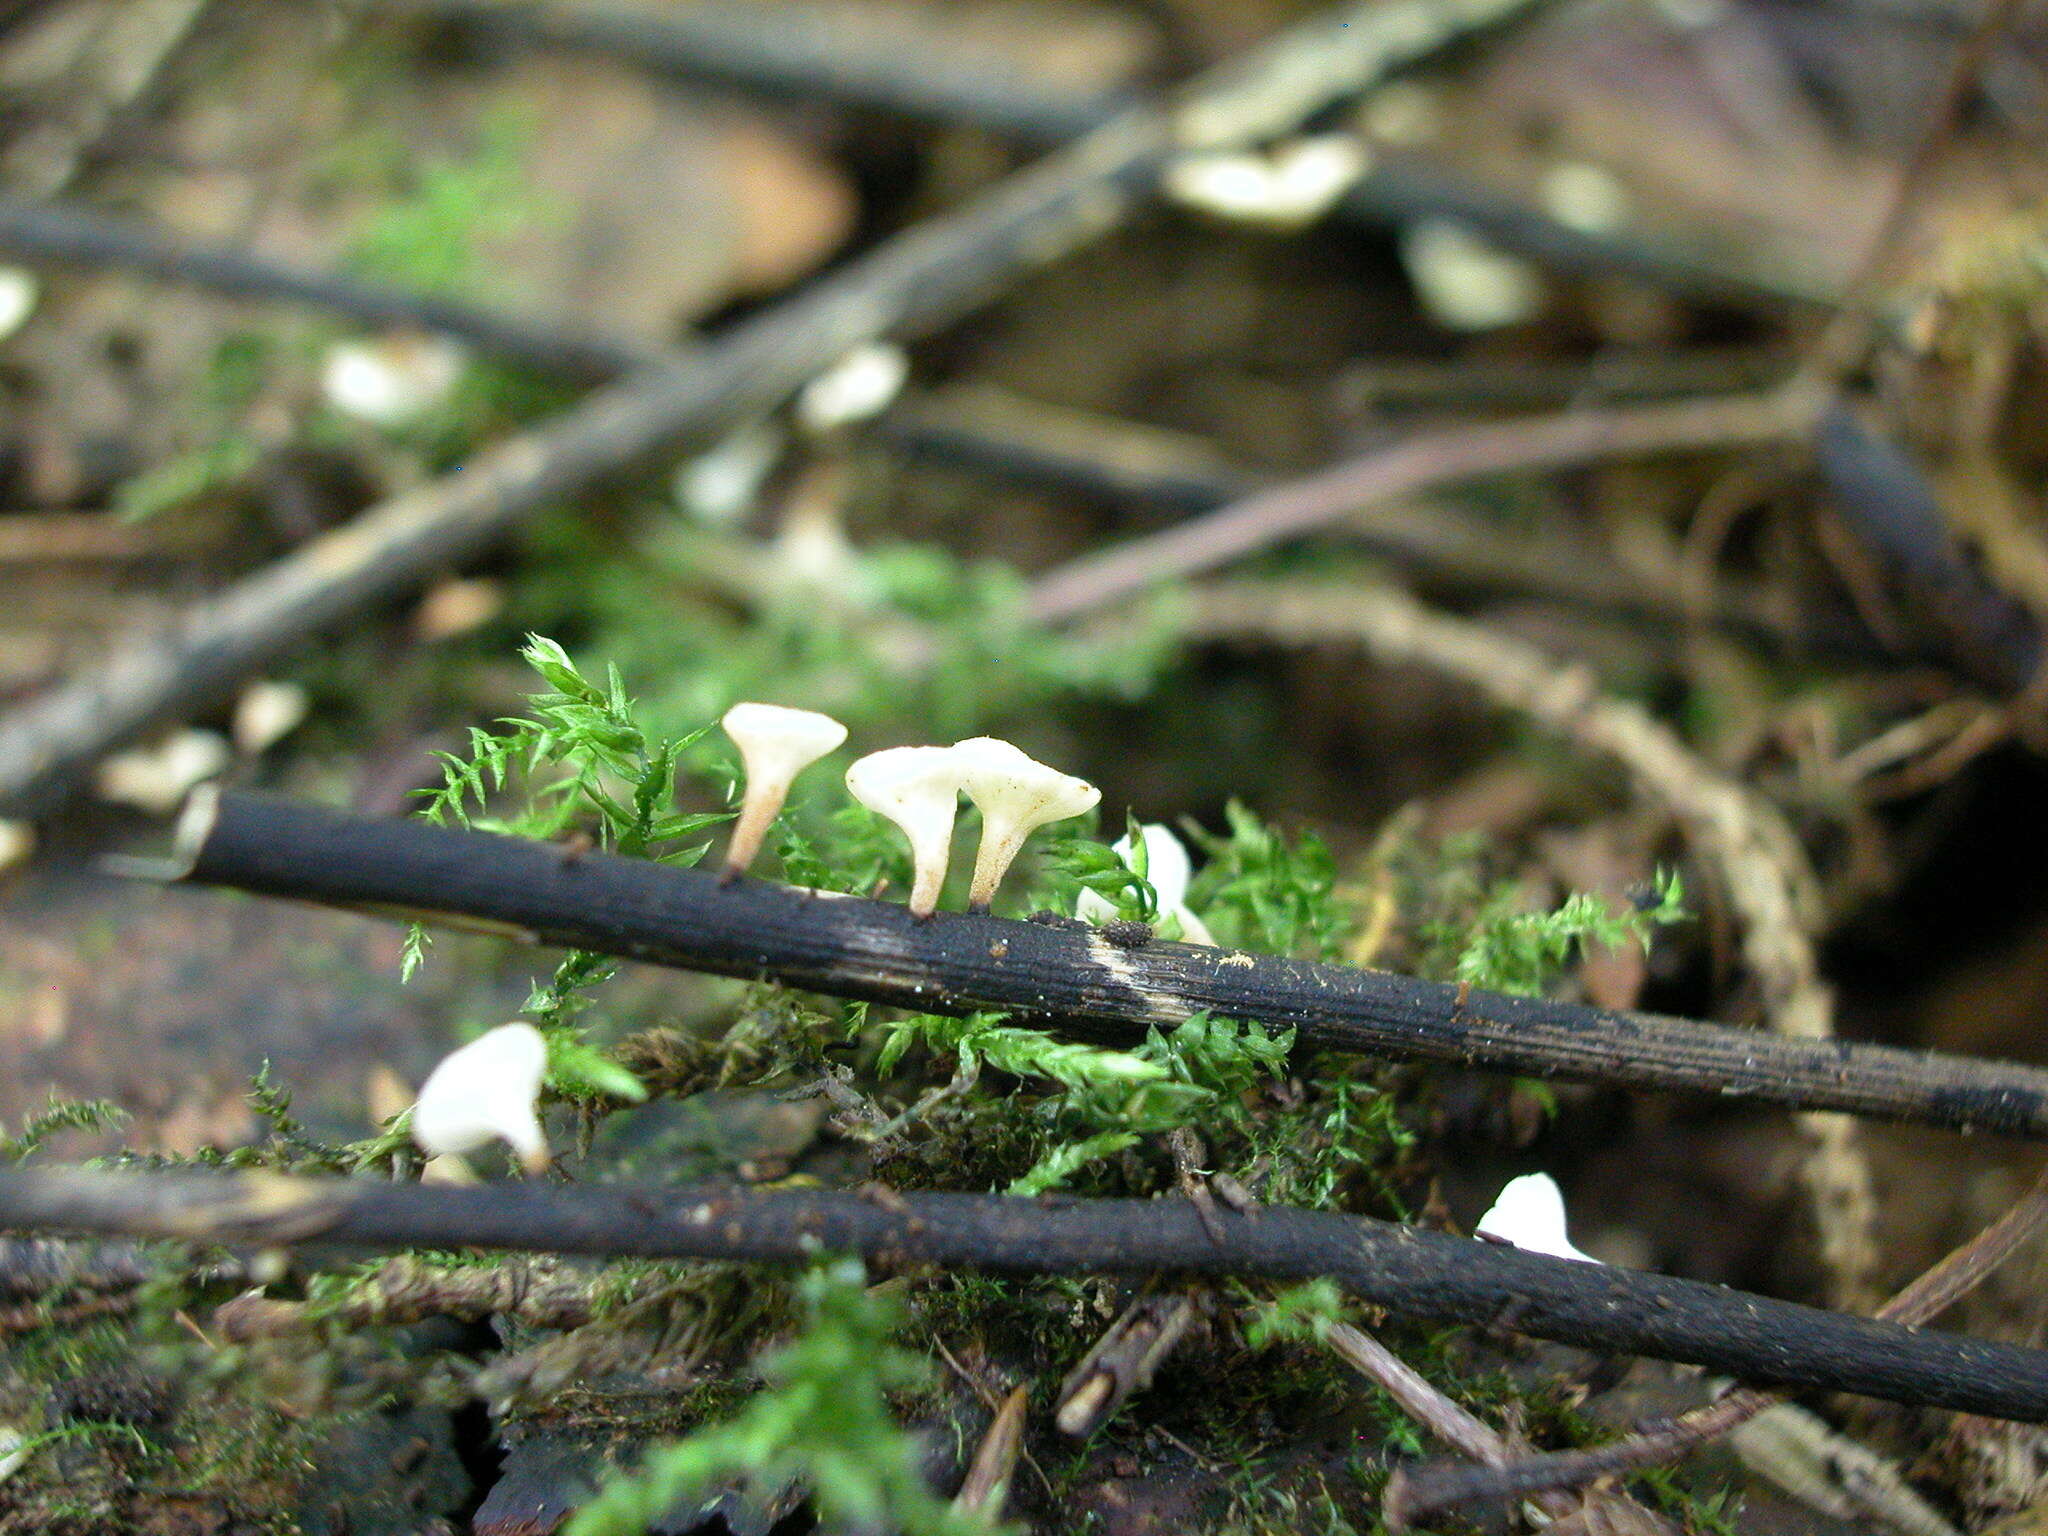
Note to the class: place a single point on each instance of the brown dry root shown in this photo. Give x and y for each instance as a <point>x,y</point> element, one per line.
<point>1764,870</point>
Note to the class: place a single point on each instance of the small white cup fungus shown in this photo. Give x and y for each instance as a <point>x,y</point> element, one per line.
<point>1529,1213</point>
<point>1016,795</point>
<point>486,1091</point>
<point>1167,870</point>
<point>776,744</point>
<point>918,788</point>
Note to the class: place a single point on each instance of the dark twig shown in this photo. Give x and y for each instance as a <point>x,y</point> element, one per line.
<point>1885,498</point>
<point>802,53</point>
<point>68,235</point>
<point>1042,973</point>
<point>1411,1272</point>
<point>917,282</point>
<point>1887,501</point>
<point>1848,331</point>
<point>1431,1489</point>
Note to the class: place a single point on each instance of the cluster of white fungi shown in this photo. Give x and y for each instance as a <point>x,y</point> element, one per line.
<point>917,788</point>
<point>487,1091</point>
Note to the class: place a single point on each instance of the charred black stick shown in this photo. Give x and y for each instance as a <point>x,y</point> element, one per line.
<point>1066,977</point>
<point>915,283</point>
<point>1414,1273</point>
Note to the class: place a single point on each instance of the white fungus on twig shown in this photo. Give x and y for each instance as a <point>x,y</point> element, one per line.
<point>392,380</point>
<point>918,788</point>
<point>18,294</point>
<point>1466,283</point>
<point>1529,1213</point>
<point>486,1091</point>
<point>776,744</point>
<point>1016,795</point>
<point>266,713</point>
<point>1167,870</point>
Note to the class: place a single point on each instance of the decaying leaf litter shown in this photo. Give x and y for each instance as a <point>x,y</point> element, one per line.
<point>1483,501</point>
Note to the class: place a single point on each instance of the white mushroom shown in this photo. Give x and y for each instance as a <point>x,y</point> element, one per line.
<point>858,386</point>
<point>393,380</point>
<point>484,1092</point>
<point>918,788</point>
<point>18,293</point>
<point>1016,795</point>
<point>1284,188</point>
<point>1167,870</point>
<point>156,779</point>
<point>776,744</point>
<point>1530,1215</point>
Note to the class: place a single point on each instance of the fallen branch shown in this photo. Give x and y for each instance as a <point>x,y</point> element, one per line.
<point>808,57</point>
<point>1066,976</point>
<point>67,235</point>
<point>1430,1489</point>
<point>917,282</point>
<point>1418,1274</point>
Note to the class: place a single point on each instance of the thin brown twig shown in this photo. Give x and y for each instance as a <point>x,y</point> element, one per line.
<point>1848,330</point>
<point>1425,461</point>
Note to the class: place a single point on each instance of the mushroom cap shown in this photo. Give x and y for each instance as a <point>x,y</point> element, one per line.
<point>918,788</point>
<point>900,781</point>
<point>1004,781</point>
<point>1530,1214</point>
<point>772,732</point>
<point>484,1091</point>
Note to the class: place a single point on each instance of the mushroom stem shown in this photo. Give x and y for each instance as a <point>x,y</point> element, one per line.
<point>928,857</point>
<point>1016,795</point>
<point>776,744</point>
<point>763,804</point>
<point>999,848</point>
<point>918,788</point>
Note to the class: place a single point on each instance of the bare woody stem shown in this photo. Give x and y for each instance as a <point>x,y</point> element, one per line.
<point>71,235</point>
<point>757,815</point>
<point>1424,461</point>
<point>1061,976</point>
<point>1414,1273</point>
